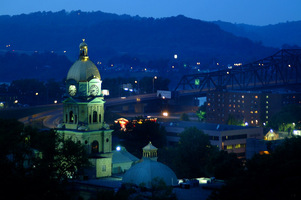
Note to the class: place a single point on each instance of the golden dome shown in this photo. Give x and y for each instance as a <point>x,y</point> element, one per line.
<point>83,69</point>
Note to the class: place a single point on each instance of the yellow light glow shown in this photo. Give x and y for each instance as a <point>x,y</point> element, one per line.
<point>165,114</point>
<point>55,101</point>
<point>37,93</point>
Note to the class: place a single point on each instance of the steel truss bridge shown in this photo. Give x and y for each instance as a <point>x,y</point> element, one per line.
<point>279,70</point>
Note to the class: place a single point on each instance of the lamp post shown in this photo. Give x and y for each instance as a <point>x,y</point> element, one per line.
<point>137,82</point>
<point>155,77</point>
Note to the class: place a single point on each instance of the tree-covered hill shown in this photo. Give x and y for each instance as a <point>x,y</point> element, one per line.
<point>110,35</point>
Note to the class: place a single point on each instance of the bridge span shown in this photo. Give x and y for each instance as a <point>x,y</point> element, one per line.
<point>279,70</point>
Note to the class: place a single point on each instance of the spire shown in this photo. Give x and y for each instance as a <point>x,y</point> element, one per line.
<point>83,50</point>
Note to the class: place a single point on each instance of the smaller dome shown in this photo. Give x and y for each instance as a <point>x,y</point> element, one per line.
<point>146,171</point>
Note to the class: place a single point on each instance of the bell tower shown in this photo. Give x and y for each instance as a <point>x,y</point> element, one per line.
<point>83,113</point>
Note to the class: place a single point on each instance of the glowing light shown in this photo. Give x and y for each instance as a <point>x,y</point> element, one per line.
<point>55,101</point>
<point>198,63</point>
<point>37,93</point>
<point>175,56</point>
<point>65,51</point>
<point>118,148</point>
<point>16,101</point>
<point>246,123</point>
<point>165,114</point>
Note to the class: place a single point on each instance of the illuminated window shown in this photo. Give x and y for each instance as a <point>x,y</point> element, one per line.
<point>208,104</point>
<point>251,112</point>
<point>237,146</point>
<point>243,96</point>
<point>266,112</point>
<point>267,102</point>
<point>267,96</point>
<point>267,107</point>
<point>267,117</point>
<point>256,111</point>
<point>242,101</point>
<point>252,122</point>
<point>229,147</point>
<point>256,97</point>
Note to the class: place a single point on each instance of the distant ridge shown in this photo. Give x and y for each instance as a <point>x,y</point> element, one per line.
<point>282,35</point>
<point>111,35</point>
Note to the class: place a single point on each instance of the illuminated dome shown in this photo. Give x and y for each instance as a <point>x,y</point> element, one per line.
<point>143,173</point>
<point>83,69</point>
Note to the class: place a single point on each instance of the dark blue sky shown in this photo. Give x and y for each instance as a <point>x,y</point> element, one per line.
<point>255,12</point>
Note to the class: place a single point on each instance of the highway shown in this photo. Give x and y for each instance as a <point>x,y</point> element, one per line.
<point>52,118</point>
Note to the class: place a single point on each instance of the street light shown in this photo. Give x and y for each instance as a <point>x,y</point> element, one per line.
<point>155,77</point>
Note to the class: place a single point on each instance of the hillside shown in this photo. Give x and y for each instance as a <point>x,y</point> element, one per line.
<point>110,35</point>
<point>278,35</point>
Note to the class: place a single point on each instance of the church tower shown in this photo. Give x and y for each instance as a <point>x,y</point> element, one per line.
<point>83,113</point>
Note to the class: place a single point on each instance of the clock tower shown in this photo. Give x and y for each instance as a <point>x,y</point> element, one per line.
<point>83,114</point>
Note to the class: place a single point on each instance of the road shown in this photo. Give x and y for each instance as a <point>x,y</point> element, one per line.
<point>52,118</point>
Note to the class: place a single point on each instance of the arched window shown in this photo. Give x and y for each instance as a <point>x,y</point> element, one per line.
<point>94,147</point>
<point>94,116</point>
<point>71,116</point>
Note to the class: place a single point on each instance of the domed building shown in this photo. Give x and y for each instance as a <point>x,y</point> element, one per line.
<point>148,170</point>
<point>83,113</point>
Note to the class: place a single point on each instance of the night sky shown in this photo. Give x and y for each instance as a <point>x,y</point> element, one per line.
<point>255,12</point>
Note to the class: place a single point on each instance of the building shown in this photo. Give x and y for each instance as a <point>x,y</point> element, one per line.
<point>148,170</point>
<point>229,138</point>
<point>122,160</point>
<point>254,108</point>
<point>83,114</point>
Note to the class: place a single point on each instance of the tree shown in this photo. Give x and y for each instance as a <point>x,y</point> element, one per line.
<point>201,112</point>
<point>189,157</point>
<point>274,176</point>
<point>33,163</point>
<point>223,165</point>
<point>288,118</point>
<point>139,133</point>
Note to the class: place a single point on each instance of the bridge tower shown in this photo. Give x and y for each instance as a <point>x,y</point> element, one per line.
<point>83,113</point>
